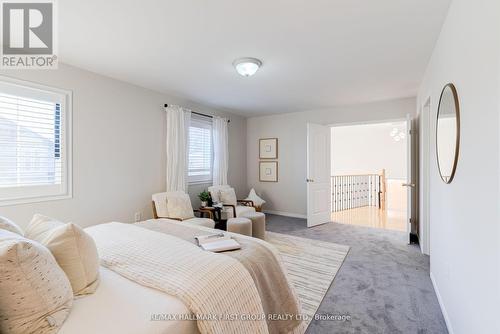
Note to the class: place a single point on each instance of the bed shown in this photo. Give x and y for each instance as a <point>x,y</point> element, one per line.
<point>122,306</point>
<point>153,268</point>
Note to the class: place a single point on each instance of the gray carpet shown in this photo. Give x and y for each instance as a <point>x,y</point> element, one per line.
<point>382,287</point>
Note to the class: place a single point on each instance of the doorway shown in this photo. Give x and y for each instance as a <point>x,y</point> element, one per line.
<point>369,172</point>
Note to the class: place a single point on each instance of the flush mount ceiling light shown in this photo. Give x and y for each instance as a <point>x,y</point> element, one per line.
<point>247,66</point>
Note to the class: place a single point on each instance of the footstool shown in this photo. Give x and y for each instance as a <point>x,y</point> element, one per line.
<point>258,223</point>
<point>240,225</point>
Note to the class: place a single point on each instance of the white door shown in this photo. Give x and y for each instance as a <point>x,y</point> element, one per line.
<point>410,185</point>
<point>319,197</point>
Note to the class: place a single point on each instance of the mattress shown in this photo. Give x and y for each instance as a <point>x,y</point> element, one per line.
<point>122,306</point>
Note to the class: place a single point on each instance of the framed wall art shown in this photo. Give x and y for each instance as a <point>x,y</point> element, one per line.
<point>268,148</point>
<point>268,171</point>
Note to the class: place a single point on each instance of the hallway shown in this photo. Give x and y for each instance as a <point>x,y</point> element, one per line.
<point>371,216</point>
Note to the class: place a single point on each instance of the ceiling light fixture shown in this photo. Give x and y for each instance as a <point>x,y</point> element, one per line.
<point>247,66</point>
<point>397,134</point>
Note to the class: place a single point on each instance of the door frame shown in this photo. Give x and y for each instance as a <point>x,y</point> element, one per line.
<point>424,177</point>
<point>411,178</point>
<point>388,120</point>
<point>414,157</point>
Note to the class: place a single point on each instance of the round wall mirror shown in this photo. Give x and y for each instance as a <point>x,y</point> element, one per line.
<point>448,133</point>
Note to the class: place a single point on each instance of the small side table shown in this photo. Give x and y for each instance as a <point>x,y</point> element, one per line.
<point>216,213</point>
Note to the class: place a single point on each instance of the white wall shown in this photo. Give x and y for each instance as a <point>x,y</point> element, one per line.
<point>367,149</point>
<point>118,148</point>
<point>464,215</point>
<point>289,194</point>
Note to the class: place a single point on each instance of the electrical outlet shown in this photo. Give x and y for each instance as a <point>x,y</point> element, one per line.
<point>138,217</point>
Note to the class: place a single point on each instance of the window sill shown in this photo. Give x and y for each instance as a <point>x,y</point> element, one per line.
<point>195,183</point>
<point>19,201</point>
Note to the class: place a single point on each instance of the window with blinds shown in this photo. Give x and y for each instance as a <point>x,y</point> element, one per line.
<point>33,155</point>
<point>200,150</point>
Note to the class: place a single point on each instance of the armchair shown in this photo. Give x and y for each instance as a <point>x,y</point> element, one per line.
<point>234,207</point>
<point>176,205</point>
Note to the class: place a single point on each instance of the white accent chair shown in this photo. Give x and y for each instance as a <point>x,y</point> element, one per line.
<point>176,205</point>
<point>231,210</point>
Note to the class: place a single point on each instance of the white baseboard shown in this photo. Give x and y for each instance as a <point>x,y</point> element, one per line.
<point>441,305</point>
<point>286,214</point>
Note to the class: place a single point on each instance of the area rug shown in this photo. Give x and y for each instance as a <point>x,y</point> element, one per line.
<point>311,266</point>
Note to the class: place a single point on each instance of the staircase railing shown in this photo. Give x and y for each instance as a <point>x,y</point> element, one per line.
<point>355,191</point>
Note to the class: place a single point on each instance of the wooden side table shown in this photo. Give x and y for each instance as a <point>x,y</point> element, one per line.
<point>214,213</point>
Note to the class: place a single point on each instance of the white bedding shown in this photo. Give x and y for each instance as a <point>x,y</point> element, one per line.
<point>122,306</point>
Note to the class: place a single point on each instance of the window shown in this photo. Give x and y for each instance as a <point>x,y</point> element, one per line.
<point>34,142</point>
<point>200,150</point>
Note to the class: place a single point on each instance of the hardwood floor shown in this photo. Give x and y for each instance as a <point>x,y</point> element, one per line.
<point>372,217</point>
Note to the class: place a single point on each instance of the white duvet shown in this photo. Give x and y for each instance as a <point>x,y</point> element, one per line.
<point>123,307</point>
<point>211,285</point>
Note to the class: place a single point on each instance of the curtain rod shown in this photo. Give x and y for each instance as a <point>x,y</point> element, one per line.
<point>197,113</point>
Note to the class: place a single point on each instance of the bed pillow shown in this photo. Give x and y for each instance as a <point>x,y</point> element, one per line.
<point>36,294</point>
<point>228,196</point>
<point>9,225</point>
<point>75,251</point>
<point>40,227</point>
<point>179,206</point>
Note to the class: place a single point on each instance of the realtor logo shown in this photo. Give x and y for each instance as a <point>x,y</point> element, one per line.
<point>28,35</point>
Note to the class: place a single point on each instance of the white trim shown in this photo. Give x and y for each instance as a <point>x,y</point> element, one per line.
<point>411,197</point>
<point>380,121</point>
<point>35,85</point>
<point>286,214</point>
<point>197,183</point>
<point>441,305</point>
<point>199,179</point>
<point>38,199</point>
<point>424,215</point>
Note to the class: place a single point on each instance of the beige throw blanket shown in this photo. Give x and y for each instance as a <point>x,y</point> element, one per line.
<point>209,284</point>
<point>262,261</point>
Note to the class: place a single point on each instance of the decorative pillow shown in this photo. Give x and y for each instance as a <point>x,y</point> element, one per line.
<point>179,206</point>
<point>214,192</point>
<point>75,251</point>
<point>9,225</point>
<point>160,202</point>
<point>36,294</point>
<point>228,196</point>
<point>40,227</point>
<point>257,201</point>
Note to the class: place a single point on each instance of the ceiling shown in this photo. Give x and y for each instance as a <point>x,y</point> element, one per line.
<point>315,53</point>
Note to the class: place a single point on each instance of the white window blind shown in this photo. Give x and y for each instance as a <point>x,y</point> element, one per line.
<point>200,149</point>
<point>33,155</point>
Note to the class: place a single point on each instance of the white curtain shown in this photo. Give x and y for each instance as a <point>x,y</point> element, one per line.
<point>221,151</point>
<point>178,120</point>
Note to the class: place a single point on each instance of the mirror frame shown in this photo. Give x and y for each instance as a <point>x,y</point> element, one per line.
<point>457,140</point>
